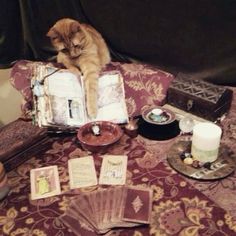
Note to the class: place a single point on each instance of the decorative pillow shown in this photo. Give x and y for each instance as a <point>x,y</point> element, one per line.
<point>145,85</point>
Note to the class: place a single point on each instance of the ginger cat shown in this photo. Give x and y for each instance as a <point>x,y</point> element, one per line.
<point>82,50</point>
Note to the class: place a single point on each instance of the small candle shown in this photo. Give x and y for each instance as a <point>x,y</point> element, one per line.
<point>206,142</point>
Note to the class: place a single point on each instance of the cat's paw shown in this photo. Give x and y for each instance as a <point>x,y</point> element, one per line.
<point>92,111</point>
<point>75,71</point>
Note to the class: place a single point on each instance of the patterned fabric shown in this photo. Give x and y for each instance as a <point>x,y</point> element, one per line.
<point>181,206</point>
<point>144,85</point>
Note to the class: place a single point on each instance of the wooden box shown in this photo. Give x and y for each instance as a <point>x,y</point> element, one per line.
<point>18,140</point>
<point>199,97</point>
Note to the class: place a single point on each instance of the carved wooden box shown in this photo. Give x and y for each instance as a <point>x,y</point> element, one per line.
<point>199,97</point>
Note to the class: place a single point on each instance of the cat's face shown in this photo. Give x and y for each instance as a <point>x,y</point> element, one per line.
<point>68,37</point>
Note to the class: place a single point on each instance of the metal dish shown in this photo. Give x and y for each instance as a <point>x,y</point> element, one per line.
<point>98,136</point>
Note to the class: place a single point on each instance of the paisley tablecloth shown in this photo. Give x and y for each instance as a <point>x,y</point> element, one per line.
<point>181,206</point>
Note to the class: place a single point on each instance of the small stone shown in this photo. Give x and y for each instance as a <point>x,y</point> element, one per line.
<point>188,161</point>
<point>207,165</point>
<point>182,156</point>
<point>201,164</point>
<point>195,164</point>
<point>188,154</point>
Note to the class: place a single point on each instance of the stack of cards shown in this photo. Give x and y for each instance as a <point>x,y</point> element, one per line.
<point>105,209</point>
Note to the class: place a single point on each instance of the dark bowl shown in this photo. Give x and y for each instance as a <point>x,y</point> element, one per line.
<point>158,123</point>
<point>109,133</point>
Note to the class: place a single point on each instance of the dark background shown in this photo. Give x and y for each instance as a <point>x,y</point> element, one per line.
<point>197,37</point>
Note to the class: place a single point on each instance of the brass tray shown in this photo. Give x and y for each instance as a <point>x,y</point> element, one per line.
<point>221,168</point>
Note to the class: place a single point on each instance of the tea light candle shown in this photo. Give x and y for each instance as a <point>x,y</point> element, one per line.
<point>206,142</point>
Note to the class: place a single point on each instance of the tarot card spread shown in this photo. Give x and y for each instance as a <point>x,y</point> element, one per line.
<point>106,209</point>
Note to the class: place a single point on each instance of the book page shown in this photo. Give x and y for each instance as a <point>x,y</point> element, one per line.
<point>82,172</point>
<point>111,98</point>
<point>60,97</point>
<point>64,84</point>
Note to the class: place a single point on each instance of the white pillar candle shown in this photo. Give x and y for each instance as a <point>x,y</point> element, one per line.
<point>206,142</point>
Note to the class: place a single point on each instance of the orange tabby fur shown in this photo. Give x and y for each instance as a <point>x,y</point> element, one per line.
<point>82,50</point>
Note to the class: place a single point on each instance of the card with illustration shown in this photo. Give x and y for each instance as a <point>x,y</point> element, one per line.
<point>44,182</point>
<point>113,170</point>
<point>82,172</point>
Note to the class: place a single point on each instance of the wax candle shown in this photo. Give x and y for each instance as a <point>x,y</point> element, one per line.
<point>206,142</point>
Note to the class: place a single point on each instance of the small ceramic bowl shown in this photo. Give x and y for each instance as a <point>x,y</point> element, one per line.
<point>99,135</point>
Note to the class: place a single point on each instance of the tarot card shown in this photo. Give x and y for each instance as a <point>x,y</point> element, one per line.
<point>113,170</point>
<point>116,204</point>
<point>94,204</point>
<point>71,211</point>
<point>118,208</point>
<point>82,206</point>
<point>106,222</point>
<point>82,172</point>
<point>121,201</point>
<point>108,207</point>
<point>138,205</point>
<point>44,182</point>
<point>90,213</point>
<point>99,198</point>
<point>72,224</point>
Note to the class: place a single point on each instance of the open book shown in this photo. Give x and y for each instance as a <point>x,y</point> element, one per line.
<point>59,98</point>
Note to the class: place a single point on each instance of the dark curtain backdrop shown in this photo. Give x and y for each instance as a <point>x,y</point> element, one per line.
<point>11,36</point>
<point>197,37</point>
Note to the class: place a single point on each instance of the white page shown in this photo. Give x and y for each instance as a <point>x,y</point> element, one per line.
<point>111,99</point>
<point>64,84</point>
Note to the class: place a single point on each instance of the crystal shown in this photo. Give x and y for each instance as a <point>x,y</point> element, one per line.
<point>186,124</point>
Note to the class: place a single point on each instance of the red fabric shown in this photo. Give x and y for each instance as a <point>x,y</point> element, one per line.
<point>181,206</point>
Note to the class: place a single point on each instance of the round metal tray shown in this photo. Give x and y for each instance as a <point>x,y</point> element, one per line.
<point>221,168</point>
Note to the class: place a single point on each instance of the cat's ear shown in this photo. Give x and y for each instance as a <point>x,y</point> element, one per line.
<point>75,27</point>
<point>52,33</point>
